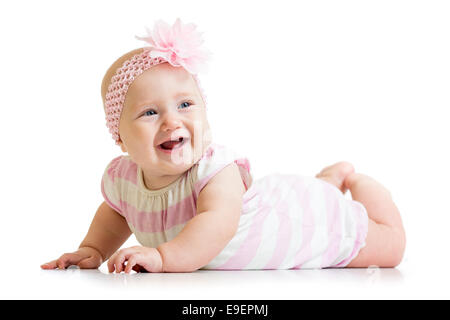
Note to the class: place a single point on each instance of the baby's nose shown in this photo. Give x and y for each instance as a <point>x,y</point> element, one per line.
<point>171,121</point>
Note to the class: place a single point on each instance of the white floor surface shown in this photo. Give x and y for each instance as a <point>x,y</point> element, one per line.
<point>403,282</point>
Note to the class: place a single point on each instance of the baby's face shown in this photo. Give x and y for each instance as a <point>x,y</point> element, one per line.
<point>164,103</point>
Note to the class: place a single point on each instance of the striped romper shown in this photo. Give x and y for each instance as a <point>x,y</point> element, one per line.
<point>287,221</point>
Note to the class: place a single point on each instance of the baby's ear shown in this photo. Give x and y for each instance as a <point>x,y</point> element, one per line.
<point>122,146</point>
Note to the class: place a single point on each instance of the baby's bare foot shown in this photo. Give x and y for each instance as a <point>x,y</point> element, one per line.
<point>336,174</point>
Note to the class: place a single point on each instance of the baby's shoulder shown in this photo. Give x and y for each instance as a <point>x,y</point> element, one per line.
<point>121,167</point>
<point>215,159</point>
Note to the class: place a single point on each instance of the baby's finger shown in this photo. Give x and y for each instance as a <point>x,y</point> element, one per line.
<point>121,257</point>
<point>132,261</point>
<point>49,265</point>
<point>120,263</point>
<point>67,260</point>
<point>116,261</point>
<point>111,262</point>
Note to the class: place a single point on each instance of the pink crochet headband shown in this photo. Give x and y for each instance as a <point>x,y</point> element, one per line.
<point>178,45</point>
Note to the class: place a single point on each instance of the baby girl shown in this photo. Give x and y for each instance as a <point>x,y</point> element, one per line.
<point>193,204</point>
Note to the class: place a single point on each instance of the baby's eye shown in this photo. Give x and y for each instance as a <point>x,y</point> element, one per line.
<point>185,104</point>
<point>149,113</point>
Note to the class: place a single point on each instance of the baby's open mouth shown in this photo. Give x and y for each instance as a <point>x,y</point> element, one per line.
<point>173,144</point>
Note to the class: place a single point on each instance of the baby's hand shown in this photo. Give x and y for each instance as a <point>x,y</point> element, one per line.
<point>85,258</point>
<point>139,259</point>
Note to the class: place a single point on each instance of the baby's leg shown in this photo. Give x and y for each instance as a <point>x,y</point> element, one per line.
<point>385,242</point>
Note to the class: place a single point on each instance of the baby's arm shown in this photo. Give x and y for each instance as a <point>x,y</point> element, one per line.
<point>108,231</point>
<point>219,207</point>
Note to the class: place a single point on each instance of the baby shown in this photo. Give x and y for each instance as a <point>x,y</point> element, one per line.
<point>193,204</point>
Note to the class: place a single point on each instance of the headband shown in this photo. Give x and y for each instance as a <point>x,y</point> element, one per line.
<point>178,45</point>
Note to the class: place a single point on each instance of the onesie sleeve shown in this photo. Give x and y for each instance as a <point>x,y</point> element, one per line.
<point>110,185</point>
<point>215,158</point>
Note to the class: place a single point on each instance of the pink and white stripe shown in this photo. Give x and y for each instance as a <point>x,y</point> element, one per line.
<point>287,221</point>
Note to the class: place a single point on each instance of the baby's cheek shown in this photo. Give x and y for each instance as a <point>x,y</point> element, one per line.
<point>207,134</point>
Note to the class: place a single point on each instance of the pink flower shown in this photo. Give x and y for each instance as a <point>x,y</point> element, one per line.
<point>180,45</point>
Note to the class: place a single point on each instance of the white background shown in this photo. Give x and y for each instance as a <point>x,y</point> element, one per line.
<point>295,86</point>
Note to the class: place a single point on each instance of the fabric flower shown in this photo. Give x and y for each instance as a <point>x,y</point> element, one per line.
<point>180,45</point>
